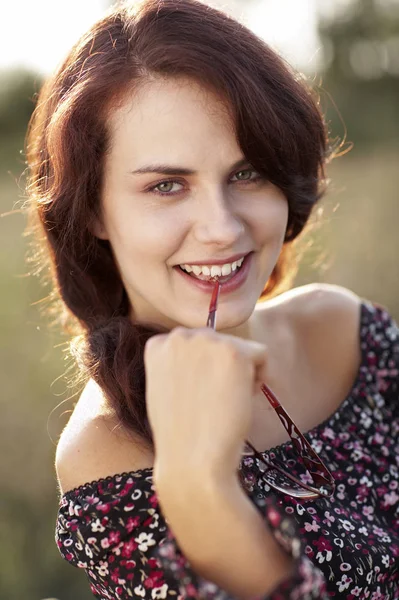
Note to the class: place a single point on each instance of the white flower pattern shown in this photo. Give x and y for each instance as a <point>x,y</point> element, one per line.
<point>344,547</point>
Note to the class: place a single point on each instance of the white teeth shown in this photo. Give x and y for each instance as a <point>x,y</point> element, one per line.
<point>214,270</point>
<point>197,270</point>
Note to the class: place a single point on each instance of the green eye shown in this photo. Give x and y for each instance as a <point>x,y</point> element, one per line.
<point>247,172</point>
<point>247,175</point>
<point>166,186</point>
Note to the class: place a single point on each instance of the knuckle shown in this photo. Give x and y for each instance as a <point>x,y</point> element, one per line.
<point>178,332</point>
<point>230,350</point>
<point>203,339</point>
<point>204,333</point>
<point>151,345</point>
<point>177,335</point>
<point>155,340</point>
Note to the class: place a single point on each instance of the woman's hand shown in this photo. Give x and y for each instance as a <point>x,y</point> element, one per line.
<point>200,385</point>
<point>199,388</point>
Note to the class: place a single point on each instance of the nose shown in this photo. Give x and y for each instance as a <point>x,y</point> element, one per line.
<point>217,221</point>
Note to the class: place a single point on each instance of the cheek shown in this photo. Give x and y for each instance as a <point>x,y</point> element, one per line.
<point>271,222</point>
<point>146,236</point>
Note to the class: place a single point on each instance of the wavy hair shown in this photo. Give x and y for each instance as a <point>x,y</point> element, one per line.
<point>279,127</point>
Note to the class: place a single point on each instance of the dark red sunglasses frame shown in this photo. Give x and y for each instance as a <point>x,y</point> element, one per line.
<point>323,481</point>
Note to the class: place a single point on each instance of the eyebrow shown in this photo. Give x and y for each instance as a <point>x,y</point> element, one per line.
<point>173,170</point>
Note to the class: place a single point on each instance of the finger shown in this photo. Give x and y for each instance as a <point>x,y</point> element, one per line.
<point>256,351</point>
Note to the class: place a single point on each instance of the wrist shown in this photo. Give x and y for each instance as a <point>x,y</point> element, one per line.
<point>192,479</point>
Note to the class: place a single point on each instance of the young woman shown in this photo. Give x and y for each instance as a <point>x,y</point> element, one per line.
<point>174,156</point>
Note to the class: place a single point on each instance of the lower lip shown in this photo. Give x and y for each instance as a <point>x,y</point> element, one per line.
<point>230,286</point>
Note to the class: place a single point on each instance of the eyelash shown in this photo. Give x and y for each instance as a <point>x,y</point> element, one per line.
<point>245,182</point>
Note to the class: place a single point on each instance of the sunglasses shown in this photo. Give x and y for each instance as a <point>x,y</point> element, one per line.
<point>323,484</point>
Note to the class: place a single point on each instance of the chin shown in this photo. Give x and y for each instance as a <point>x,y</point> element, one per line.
<point>226,321</point>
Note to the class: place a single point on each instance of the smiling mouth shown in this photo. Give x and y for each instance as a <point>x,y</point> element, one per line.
<point>220,278</point>
<point>228,283</point>
<point>214,273</point>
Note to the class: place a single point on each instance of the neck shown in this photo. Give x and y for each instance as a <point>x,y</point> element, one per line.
<point>249,329</point>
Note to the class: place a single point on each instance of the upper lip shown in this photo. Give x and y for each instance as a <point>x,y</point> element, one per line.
<point>217,261</point>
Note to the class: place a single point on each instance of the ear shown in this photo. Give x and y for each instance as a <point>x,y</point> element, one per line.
<point>97,228</point>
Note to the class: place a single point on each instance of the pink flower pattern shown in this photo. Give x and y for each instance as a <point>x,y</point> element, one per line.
<point>345,547</point>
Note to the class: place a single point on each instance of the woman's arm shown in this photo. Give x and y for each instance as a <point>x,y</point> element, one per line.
<point>222,533</point>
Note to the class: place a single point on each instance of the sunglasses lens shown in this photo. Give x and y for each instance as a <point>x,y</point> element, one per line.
<point>276,479</point>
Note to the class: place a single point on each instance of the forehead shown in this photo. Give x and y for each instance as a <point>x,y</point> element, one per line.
<point>173,112</point>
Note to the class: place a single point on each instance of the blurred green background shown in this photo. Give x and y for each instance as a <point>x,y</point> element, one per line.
<point>355,245</point>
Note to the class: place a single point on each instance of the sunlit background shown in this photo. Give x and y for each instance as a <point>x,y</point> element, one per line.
<point>349,50</point>
<point>48,28</point>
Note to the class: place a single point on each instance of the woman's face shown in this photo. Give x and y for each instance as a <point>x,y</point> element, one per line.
<point>211,205</point>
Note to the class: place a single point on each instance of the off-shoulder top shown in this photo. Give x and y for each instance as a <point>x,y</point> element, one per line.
<point>344,547</point>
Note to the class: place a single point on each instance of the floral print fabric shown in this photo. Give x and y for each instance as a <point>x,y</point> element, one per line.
<point>344,547</point>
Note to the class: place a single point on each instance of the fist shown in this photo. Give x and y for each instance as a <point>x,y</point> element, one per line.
<point>199,389</point>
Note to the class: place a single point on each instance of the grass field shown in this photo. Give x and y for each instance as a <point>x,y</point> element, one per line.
<point>361,241</point>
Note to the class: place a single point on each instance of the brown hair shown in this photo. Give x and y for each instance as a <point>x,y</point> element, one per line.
<point>279,128</point>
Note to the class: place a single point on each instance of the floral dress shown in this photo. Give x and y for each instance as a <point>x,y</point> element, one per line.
<point>344,547</point>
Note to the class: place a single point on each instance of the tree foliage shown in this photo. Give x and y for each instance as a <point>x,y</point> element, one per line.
<point>17,99</point>
<point>361,47</point>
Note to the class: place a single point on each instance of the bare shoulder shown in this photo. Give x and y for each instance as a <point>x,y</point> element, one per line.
<point>324,303</point>
<point>93,446</point>
<point>326,321</point>
<point>319,304</point>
